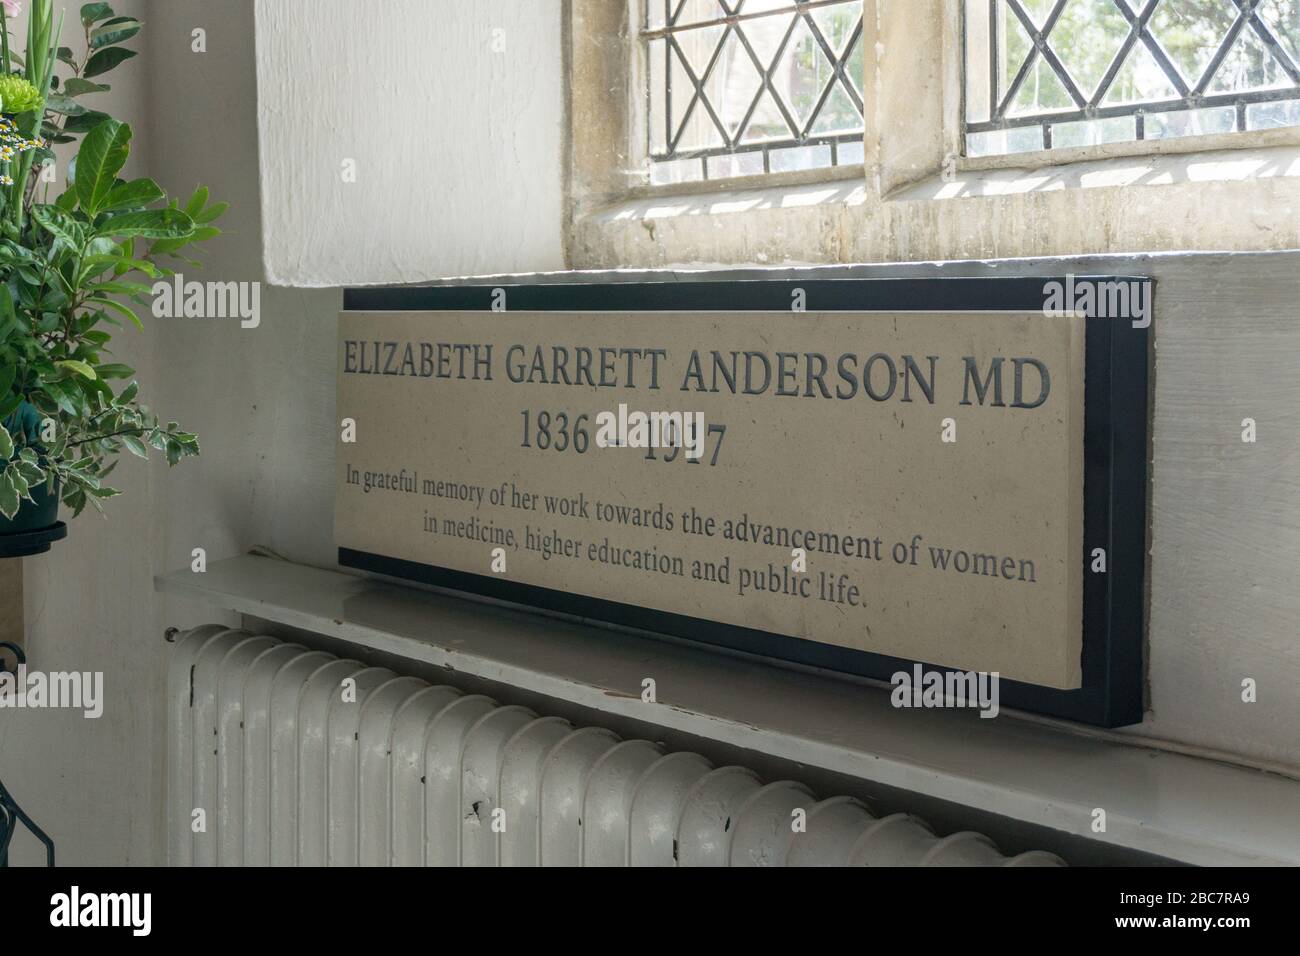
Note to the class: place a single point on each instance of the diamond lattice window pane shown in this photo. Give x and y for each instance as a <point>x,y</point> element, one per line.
<point>767,36</point>
<point>1249,65</point>
<point>1282,17</point>
<point>747,87</point>
<point>1038,10</point>
<point>1063,73</point>
<point>1192,32</point>
<point>1140,80</point>
<point>698,11</point>
<point>836,25</point>
<point>1107,29</point>
<point>733,84</point>
<point>802,70</point>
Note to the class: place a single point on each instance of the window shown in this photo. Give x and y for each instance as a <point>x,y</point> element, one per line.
<point>748,87</point>
<point>1045,74</point>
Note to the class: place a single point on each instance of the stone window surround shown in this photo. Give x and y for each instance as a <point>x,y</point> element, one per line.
<point>916,198</point>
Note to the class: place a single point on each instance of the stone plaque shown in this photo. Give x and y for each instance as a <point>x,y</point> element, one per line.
<point>875,484</point>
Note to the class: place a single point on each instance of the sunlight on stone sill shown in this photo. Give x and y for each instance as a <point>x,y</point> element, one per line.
<point>1154,170</point>
<point>845,193</point>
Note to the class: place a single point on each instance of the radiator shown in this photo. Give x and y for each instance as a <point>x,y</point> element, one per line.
<point>286,756</point>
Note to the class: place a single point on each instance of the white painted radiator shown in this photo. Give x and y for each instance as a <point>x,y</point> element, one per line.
<point>272,762</point>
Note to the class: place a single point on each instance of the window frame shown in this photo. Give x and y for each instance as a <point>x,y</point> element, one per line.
<point>916,198</point>
<point>1059,156</point>
<point>638,184</point>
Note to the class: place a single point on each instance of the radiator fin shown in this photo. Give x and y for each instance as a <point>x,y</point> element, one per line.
<point>286,756</point>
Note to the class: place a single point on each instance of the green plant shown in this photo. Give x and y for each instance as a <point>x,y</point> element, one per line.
<point>69,269</point>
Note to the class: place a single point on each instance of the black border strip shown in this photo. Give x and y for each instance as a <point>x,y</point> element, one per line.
<point>1018,294</point>
<point>1116,453</point>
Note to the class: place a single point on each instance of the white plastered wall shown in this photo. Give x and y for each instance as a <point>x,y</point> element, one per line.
<point>1226,527</point>
<point>409,139</point>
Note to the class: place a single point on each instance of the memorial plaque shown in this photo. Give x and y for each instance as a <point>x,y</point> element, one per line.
<point>856,474</point>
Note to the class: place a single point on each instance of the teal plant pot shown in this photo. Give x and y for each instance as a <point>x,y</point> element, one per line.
<point>37,524</point>
<point>36,515</point>
<point>35,527</point>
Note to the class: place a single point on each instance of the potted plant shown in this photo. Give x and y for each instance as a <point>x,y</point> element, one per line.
<point>70,267</point>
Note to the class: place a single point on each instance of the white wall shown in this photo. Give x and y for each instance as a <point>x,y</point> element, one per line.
<point>450,115</point>
<point>262,409</point>
<point>92,783</point>
<point>1226,597</point>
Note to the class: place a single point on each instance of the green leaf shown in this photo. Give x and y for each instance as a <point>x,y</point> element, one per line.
<point>76,86</point>
<point>64,104</point>
<point>142,265</point>
<point>121,288</point>
<point>32,474</point>
<point>212,213</point>
<point>81,368</point>
<point>135,446</point>
<point>84,123</point>
<point>62,396</point>
<point>197,202</point>
<point>133,195</point>
<point>115,370</point>
<point>74,498</point>
<point>6,444</point>
<point>44,403</point>
<point>166,247</point>
<point>19,483</point>
<point>151,224</point>
<point>94,12</point>
<point>128,394</point>
<point>102,154</point>
<point>59,224</point>
<point>9,499</point>
<point>114,31</point>
<point>7,375</point>
<point>120,309</point>
<point>106,59</point>
<point>93,265</point>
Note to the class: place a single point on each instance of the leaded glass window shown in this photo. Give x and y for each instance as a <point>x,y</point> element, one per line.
<point>1044,74</point>
<point>748,87</point>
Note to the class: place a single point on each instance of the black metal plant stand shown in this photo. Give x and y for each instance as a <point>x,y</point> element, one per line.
<point>10,813</point>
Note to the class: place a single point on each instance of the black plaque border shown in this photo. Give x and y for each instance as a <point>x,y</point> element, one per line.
<point>1116,456</point>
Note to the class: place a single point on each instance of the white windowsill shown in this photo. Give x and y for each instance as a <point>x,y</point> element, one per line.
<point>726,201</point>
<point>1041,172</point>
<point>1186,808</point>
<point>1050,172</point>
